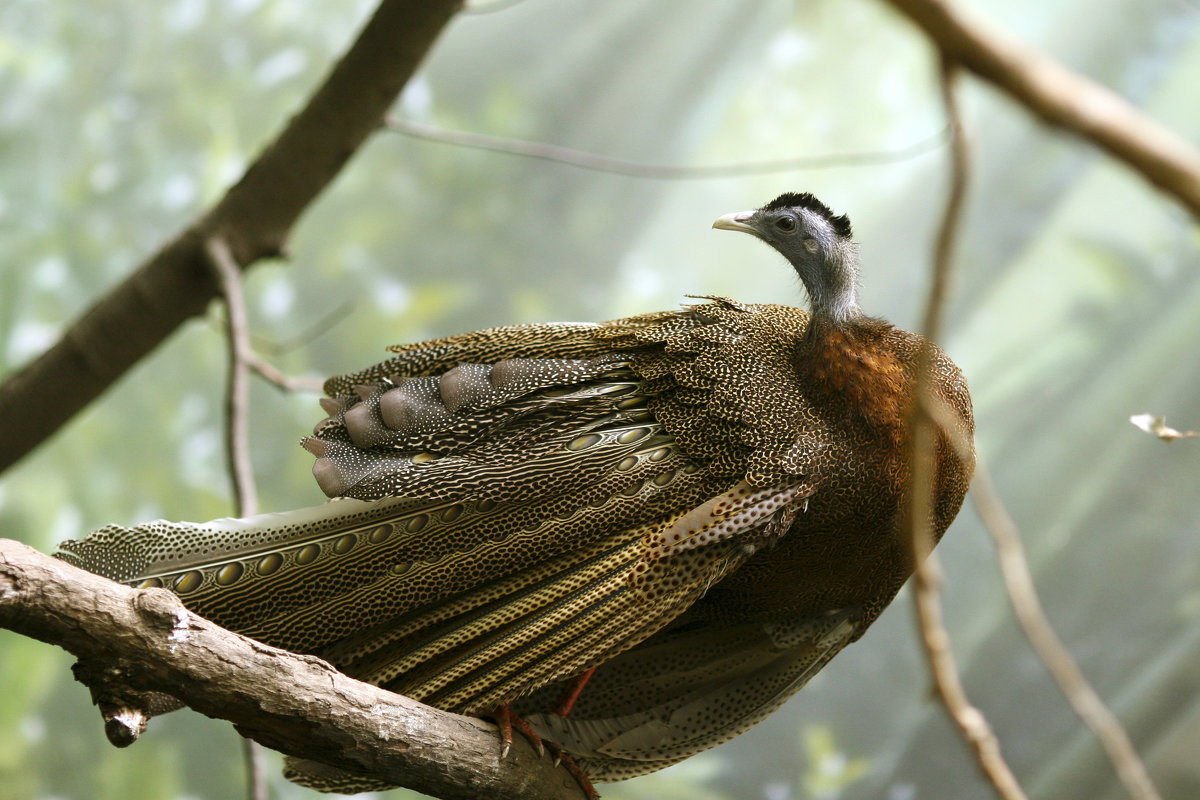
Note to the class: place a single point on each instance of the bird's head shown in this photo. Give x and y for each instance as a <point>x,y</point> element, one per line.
<point>818,245</point>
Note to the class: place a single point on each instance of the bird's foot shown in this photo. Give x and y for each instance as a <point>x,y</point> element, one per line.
<point>506,721</point>
<point>571,693</point>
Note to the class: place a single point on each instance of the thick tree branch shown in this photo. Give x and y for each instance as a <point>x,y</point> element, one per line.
<point>297,704</point>
<point>253,219</point>
<point>1062,97</point>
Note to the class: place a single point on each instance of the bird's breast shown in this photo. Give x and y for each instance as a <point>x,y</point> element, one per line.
<point>855,373</point>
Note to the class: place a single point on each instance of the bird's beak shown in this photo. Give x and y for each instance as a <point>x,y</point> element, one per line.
<point>737,221</point>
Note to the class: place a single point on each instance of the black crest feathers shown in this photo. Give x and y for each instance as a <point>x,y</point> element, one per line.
<point>840,223</point>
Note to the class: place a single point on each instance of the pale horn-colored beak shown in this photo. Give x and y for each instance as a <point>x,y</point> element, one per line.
<point>737,221</point>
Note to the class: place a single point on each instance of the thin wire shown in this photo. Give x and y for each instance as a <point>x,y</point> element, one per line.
<point>582,159</point>
<point>479,9</point>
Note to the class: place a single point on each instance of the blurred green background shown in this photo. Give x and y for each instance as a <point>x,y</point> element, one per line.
<point>1077,303</point>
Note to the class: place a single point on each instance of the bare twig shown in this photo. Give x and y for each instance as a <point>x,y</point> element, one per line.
<point>1022,593</point>
<point>297,704</point>
<point>1014,566</point>
<point>237,437</point>
<point>1062,97</point>
<point>638,169</point>
<point>237,395</point>
<point>970,720</point>
<point>270,373</point>
<point>256,774</point>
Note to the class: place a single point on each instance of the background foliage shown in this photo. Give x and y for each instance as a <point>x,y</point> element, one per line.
<point>1078,304</point>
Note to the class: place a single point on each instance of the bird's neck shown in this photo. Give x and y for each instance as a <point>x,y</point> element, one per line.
<point>833,286</point>
<point>839,308</point>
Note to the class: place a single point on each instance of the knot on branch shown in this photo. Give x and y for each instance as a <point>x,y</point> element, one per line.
<point>164,610</point>
<point>126,710</point>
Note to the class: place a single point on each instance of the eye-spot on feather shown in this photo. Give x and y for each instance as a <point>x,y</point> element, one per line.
<point>230,573</point>
<point>307,554</point>
<point>584,442</point>
<point>188,582</point>
<point>633,435</point>
<point>268,565</point>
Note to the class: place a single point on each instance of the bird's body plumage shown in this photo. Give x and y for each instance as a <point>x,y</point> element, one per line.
<point>702,502</point>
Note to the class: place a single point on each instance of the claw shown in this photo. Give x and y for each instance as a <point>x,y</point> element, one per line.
<point>505,725</point>
<point>566,762</point>
<point>506,720</point>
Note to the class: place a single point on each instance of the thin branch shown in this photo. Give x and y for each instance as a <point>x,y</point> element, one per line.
<point>237,438</point>
<point>971,722</point>
<point>1022,593</point>
<point>1070,101</point>
<point>297,704</point>
<point>288,383</point>
<point>1062,97</point>
<point>256,773</point>
<point>638,169</point>
<point>254,218</point>
<point>269,372</point>
<point>237,394</point>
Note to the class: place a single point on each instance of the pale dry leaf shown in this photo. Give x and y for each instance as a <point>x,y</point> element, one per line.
<point>1157,426</point>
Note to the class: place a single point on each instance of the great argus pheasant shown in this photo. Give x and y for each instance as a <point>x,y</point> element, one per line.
<point>703,505</point>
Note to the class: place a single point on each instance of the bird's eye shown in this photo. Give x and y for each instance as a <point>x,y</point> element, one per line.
<point>786,224</point>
